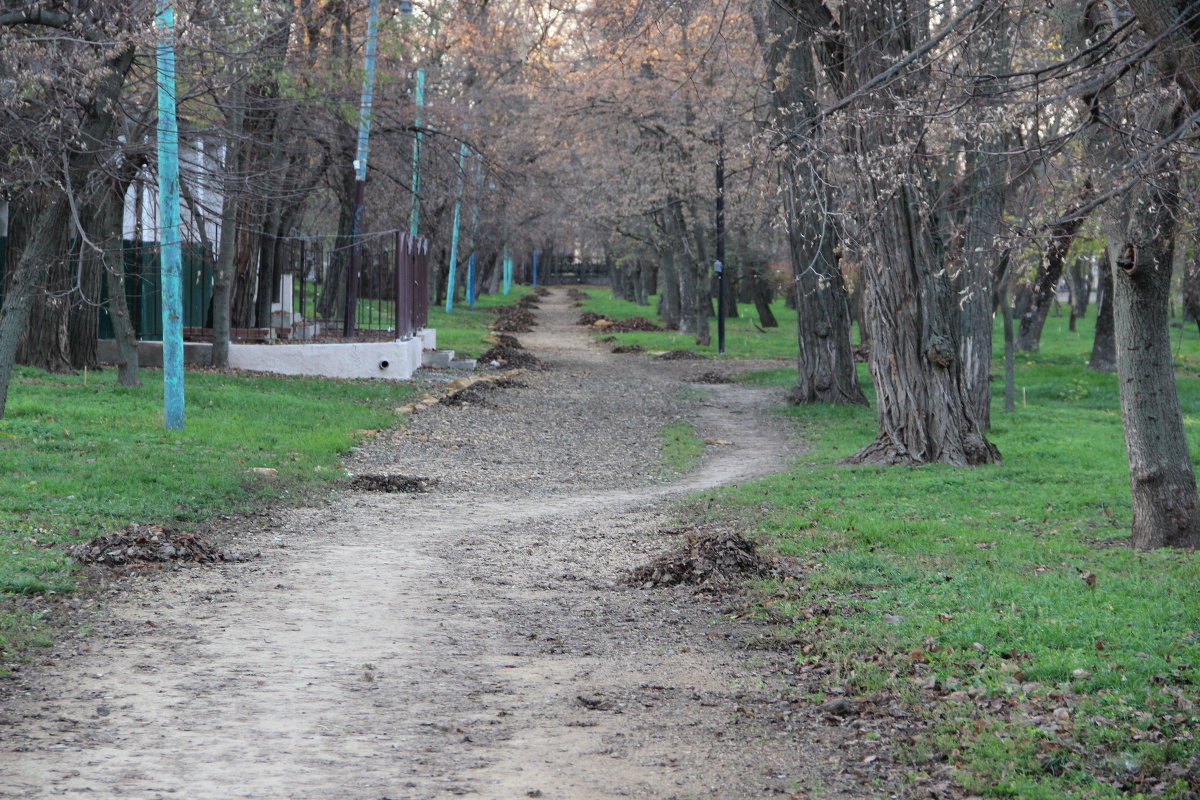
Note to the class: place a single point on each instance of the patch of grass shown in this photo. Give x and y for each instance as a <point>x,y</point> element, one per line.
<point>464,330</point>
<point>681,447</point>
<point>968,590</point>
<point>83,458</point>
<point>743,337</point>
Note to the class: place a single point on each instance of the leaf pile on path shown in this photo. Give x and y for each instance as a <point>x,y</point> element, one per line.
<point>577,295</point>
<point>634,324</point>
<point>515,320</point>
<point>629,348</point>
<point>681,355</point>
<point>505,340</point>
<point>542,291</point>
<point>512,358</point>
<point>591,318</point>
<point>716,562</point>
<point>712,377</point>
<point>477,393</point>
<point>528,301</point>
<point>408,484</point>
<point>142,544</point>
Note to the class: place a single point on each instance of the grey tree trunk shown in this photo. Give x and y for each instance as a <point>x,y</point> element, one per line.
<point>825,371</point>
<point>1166,505</point>
<point>54,216</point>
<point>1033,316</point>
<point>109,222</point>
<point>989,191</point>
<point>1104,345</point>
<point>923,413</point>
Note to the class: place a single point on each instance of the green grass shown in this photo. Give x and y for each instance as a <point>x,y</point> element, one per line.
<point>681,447</point>
<point>975,577</point>
<point>81,456</point>
<point>743,337</point>
<point>464,330</point>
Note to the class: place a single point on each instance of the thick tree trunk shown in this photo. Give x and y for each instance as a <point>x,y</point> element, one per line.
<point>912,314</point>
<point>1191,289</point>
<point>989,190</point>
<point>761,296</point>
<point>54,217</point>
<point>668,300</point>
<point>825,371</point>
<point>1166,505</point>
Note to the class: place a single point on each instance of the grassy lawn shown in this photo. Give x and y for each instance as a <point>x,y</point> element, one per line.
<point>682,449</point>
<point>743,336</point>
<point>82,456</point>
<point>464,330</point>
<point>1041,656</point>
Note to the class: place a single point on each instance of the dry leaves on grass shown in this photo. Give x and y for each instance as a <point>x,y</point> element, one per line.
<point>409,484</point>
<point>141,544</point>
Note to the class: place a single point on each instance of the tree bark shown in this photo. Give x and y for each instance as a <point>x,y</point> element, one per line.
<point>54,216</point>
<point>825,371</point>
<point>109,223</point>
<point>1104,345</point>
<point>1033,316</point>
<point>922,409</point>
<point>1166,505</point>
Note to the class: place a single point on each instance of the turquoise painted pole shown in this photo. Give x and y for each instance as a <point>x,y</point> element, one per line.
<point>535,260</point>
<point>506,267</point>
<point>169,246</point>
<point>452,276</point>
<point>414,220</point>
<point>471,281</point>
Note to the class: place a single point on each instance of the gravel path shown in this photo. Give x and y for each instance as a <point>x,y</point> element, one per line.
<point>473,640</point>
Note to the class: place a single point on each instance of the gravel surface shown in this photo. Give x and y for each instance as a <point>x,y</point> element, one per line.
<point>475,639</point>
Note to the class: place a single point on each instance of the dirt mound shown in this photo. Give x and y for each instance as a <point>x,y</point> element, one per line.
<point>681,355</point>
<point>141,544</point>
<point>634,324</point>
<point>515,321</point>
<point>528,301</point>
<point>591,318</point>
<point>712,563</point>
<point>504,340</point>
<point>476,395</point>
<point>542,291</point>
<point>577,295</point>
<point>629,348</point>
<point>411,484</point>
<point>512,358</point>
<point>712,377</point>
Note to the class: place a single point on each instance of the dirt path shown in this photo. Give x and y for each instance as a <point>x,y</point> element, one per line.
<point>472,640</point>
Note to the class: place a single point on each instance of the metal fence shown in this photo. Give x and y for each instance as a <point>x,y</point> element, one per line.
<point>309,293</point>
<point>388,300</point>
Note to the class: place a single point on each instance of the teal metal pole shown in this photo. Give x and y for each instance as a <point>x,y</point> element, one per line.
<point>471,281</point>
<point>507,271</point>
<point>169,246</point>
<point>535,260</point>
<point>350,324</point>
<point>452,276</point>
<point>416,159</point>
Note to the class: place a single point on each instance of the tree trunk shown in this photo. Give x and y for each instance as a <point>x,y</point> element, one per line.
<point>922,410</point>
<point>825,371</point>
<point>989,189</point>
<point>1033,317</point>
<point>110,223</point>
<point>1191,289</point>
<point>1104,345</point>
<point>54,216</point>
<point>1166,505</point>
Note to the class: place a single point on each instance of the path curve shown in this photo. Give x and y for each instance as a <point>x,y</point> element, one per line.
<point>472,640</point>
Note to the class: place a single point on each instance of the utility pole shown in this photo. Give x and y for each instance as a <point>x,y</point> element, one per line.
<point>719,267</point>
<point>169,246</point>
<point>416,159</point>
<point>453,273</point>
<point>360,168</point>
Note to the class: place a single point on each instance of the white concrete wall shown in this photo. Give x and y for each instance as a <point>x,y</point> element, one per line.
<point>395,361</point>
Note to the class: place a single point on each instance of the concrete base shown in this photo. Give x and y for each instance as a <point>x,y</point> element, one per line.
<point>394,360</point>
